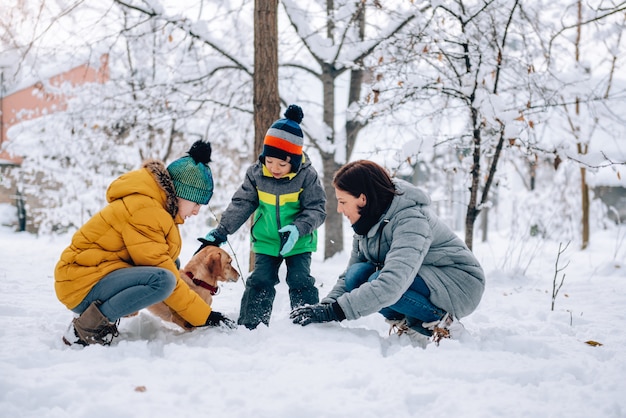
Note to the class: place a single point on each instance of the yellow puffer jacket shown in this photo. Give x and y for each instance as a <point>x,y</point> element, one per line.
<point>139,227</point>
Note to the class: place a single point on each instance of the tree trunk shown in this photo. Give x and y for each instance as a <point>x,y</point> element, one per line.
<point>333,226</point>
<point>333,229</point>
<point>334,222</point>
<point>266,101</point>
<point>266,98</point>
<point>354,94</point>
<point>584,188</point>
<point>472,206</point>
<point>582,149</point>
<point>484,223</point>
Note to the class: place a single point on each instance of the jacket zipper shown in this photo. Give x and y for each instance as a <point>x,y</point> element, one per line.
<point>379,264</point>
<point>278,212</point>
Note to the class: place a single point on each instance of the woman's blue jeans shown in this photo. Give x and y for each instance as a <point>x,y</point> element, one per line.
<point>127,290</point>
<point>414,303</point>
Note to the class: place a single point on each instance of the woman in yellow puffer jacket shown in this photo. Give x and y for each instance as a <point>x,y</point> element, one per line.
<point>124,258</point>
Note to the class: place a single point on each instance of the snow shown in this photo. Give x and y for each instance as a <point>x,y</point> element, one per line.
<point>518,359</point>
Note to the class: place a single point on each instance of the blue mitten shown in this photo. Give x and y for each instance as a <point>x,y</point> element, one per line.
<point>288,236</point>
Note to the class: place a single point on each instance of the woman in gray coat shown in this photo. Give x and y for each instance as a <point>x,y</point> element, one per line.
<point>405,262</point>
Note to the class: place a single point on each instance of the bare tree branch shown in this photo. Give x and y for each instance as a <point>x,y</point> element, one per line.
<point>184,26</point>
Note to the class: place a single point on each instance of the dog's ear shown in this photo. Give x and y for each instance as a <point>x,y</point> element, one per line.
<point>214,263</point>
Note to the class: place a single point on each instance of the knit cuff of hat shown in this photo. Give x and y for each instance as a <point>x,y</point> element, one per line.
<point>192,180</point>
<point>193,194</point>
<point>293,159</point>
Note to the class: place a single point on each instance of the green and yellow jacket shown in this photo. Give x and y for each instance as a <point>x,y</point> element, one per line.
<point>297,199</point>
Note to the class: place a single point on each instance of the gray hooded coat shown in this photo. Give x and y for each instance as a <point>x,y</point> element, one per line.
<point>408,240</point>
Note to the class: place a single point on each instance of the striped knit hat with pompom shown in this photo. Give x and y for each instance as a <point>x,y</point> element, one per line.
<point>191,174</point>
<point>284,138</point>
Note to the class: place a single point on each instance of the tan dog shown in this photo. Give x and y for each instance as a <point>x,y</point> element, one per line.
<point>202,273</point>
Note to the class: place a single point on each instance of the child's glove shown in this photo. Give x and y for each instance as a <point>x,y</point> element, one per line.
<point>288,236</point>
<point>318,313</point>
<point>214,237</point>
<point>217,319</point>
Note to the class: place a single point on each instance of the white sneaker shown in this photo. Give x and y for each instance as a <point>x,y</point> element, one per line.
<point>447,327</point>
<point>400,327</point>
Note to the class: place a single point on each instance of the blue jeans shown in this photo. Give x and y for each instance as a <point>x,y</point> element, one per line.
<point>127,290</point>
<point>414,304</point>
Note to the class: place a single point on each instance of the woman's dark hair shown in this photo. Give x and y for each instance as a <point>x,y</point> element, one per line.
<point>369,178</point>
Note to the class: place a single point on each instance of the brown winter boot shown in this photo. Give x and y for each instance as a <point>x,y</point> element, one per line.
<point>91,327</point>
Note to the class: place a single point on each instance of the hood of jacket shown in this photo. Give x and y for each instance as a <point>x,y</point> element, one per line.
<point>154,182</point>
<point>409,196</point>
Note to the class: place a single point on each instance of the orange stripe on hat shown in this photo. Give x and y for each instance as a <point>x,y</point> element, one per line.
<point>283,144</point>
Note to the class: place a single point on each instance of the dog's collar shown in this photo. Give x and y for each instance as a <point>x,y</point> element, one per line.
<point>214,290</point>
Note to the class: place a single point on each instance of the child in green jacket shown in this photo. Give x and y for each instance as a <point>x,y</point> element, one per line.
<point>288,200</point>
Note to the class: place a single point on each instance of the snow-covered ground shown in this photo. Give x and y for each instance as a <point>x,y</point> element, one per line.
<point>520,359</point>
